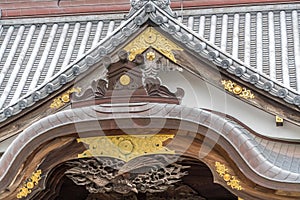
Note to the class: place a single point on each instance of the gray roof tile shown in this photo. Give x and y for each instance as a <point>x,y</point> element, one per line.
<point>266,40</point>
<point>31,53</point>
<point>261,40</point>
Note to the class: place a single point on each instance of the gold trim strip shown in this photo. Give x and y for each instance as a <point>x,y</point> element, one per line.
<point>237,89</point>
<point>125,147</point>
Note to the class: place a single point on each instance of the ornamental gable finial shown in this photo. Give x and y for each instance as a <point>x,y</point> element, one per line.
<point>138,4</point>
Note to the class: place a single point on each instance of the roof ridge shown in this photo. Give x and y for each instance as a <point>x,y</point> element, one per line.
<point>248,8</point>
<point>61,19</point>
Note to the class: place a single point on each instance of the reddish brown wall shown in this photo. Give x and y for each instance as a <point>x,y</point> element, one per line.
<point>17,8</point>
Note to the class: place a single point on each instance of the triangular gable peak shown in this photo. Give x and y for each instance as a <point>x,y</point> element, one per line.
<point>160,15</point>
<point>126,83</point>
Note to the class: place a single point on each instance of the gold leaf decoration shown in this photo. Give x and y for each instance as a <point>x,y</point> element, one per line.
<point>221,169</point>
<point>231,181</point>
<point>279,121</point>
<point>150,56</point>
<point>152,38</point>
<point>29,184</point>
<point>234,183</point>
<point>125,147</point>
<point>60,101</point>
<point>237,89</point>
<point>124,79</point>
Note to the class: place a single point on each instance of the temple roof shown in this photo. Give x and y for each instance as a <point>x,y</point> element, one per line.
<point>259,44</point>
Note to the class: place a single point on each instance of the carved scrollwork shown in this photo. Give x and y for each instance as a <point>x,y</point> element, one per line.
<point>96,90</point>
<point>154,88</point>
<point>111,196</point>
<point>143,174</point>
<point>182,192</point>
<point>126,84</point>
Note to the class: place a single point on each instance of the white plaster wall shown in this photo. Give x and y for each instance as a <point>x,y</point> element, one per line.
<point>202,95</point>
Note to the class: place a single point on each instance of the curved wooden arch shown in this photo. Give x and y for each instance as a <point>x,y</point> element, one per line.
<point>200,129</point>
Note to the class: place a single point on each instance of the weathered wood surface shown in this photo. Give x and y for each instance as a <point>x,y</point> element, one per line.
<point>57,152</point>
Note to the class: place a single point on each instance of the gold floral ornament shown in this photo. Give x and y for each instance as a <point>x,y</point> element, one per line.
<point>29,184</point>
<point>231,181</point>
<point>64,98</point>
<point>150,56</point>
<point>152,38</point>
<point>125,147</point>
<point>237,89</point>
<point>124,79</point>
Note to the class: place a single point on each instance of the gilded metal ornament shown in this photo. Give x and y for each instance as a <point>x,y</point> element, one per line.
<point>150,56</point>
<point>152,38</point>
<point>125,147</point>
<point>279,121</point>
<point>124,79</point>
<point>60,101</point>
<point>237,89</point>
<point>29,184</point>
<point>234,183</point>
<point>231,181</point>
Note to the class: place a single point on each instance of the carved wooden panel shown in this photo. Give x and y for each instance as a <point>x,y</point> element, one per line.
<point>125,84</point>
<point>182,192</point>
<point>144,174</point>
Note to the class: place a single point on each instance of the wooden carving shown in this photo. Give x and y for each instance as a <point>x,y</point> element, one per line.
<point>155,89</point>
<point>97,89</point>
<point>181,192</point>
<point>143,174</point>
<point>125,84</point>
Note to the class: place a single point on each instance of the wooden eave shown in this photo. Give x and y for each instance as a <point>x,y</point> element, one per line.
<point>231,142</point>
